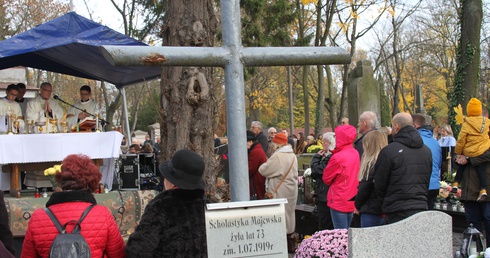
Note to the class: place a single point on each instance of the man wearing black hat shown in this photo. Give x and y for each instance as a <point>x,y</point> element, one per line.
<point>173,224</point>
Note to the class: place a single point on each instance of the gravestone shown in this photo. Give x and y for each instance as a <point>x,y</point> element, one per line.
<point>363,92</point>
<point>425,234</point>
<point>419,100</point>
<point>419,104</point>
<point>246,229</point>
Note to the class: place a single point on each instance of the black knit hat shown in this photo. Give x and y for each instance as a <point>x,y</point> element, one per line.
<point>184,170</point>
<point>250,136</point>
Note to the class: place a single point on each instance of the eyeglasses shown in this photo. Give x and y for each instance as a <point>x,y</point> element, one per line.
<point>272,133</point>
<point>46,90</point>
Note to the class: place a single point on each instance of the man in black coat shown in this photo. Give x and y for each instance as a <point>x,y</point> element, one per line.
<point>403,172</point>
<point>368,121</point>
<point>256,128</point>
<point>173,224</point>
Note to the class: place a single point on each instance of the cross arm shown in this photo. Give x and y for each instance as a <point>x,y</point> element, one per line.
<point>220,56</point>
<point>165,56</point>
<point>287,56</point>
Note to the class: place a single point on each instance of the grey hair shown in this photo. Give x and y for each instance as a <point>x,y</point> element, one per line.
<point>370,118</point>
<point>257,123</point>
<point>330,136</point>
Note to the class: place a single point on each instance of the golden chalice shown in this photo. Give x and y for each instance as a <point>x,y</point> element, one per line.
<point>53,122</point>
<point>41,124</point>
<point>64,126</point>
<point>16,126</point>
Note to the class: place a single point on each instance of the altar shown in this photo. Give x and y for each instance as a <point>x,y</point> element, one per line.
<point>30,152</point>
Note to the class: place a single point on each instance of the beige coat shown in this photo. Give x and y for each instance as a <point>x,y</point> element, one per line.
<point>274,170</point>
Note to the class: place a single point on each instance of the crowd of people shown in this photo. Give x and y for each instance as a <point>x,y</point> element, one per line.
<point>374,176</point>
<point>365,177</point>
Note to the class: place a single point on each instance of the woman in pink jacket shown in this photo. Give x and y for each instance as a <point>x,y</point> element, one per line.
<point>341,175</point>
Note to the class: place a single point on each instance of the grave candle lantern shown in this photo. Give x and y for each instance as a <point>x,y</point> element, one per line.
<point>472,242</point>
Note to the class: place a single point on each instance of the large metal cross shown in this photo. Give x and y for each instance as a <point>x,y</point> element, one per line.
<point>232,57</point>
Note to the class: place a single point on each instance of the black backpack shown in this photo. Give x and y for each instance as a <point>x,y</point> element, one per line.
<point>69,245</point>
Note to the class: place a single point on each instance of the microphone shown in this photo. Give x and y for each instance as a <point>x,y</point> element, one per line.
<point>71,105</point>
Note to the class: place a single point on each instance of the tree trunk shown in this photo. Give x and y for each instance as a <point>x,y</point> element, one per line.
<point>471,21</point>
<point>320,114</point>
<point>330,102</point>
<point>397,68</point>
<point>307,101</point>
<point>187,92</point>
<point>468,59</point>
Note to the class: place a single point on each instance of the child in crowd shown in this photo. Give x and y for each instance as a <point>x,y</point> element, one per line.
<point>473,141</point>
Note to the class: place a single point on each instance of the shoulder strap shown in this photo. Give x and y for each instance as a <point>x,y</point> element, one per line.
<point>85,212</point>
<point>482,129</point>
<point>54,220</point>
<point>284,178</point>
<point>62,229</point>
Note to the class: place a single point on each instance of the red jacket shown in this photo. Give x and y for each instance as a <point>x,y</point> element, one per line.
<point>256,157</point>
<point>341,171</point>
<point>98,228</point>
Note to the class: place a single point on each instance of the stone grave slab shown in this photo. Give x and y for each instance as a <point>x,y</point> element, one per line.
<point>425,234</point>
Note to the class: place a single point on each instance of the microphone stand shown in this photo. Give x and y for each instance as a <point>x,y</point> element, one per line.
<point>102,121</point>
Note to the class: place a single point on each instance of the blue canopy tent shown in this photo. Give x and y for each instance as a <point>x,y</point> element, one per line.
<point>70,45</point>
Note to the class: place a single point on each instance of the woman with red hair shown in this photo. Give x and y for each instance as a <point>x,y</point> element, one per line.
<point>79,178</point>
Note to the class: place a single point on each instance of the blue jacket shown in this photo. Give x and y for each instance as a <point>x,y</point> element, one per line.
<point>436,151</point>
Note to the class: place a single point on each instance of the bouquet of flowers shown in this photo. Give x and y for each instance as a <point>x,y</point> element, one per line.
<point>314,148</point>
<point>326,243</point>
<point>311,181</point>
<point>444,190</point>
<point>50,172</point>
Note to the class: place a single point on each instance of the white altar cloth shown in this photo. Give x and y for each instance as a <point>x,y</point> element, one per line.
<point>33,148</point>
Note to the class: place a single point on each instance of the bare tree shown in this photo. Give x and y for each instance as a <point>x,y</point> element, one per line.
<point>393,50</point>
<point>349,27</point>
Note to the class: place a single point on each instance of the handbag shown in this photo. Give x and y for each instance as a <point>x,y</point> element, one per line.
<point>271,195</point>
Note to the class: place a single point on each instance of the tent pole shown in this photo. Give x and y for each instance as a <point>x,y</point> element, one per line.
<point>126,116</point>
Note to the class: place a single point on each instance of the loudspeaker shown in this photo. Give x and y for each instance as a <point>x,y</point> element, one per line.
<point>129,173</point>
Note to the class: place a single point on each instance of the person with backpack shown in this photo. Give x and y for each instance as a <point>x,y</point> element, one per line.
<point>75,211</point>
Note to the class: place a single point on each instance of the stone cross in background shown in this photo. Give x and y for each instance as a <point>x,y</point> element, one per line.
<point>419,100</point>
<point>232,56</point>
<point>363,93</point>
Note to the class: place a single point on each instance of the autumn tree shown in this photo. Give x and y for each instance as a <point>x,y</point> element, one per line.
<point>264,23</point>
